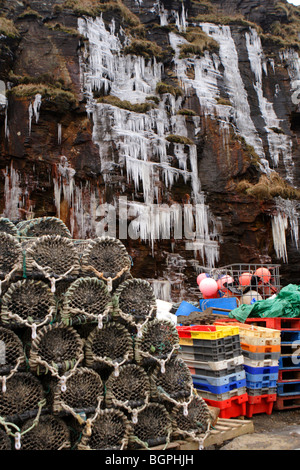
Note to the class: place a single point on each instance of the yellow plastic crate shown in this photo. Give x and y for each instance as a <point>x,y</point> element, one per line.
<point>253,330</point>
<point>221,332</point>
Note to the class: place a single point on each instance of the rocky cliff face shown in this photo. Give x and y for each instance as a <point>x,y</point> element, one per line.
<point>173,124</point>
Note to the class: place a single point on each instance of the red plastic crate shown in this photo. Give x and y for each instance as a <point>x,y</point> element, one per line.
<point>278,323</point>
<point>287,403</point>
<point>185,331</point>
<point>260,404</point>
<point>231,408</point>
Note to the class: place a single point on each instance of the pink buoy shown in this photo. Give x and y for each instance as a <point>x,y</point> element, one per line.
<point>264,273</point>
<point>200,277</point>
<point>245,279</point>
<point>208,287</point>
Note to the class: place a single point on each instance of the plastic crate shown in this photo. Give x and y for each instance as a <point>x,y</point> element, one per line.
<point>222,305</point>
<point>201,353</point>
<point>261,370</point>
<point>260,378</point>
<point>185,308</point>
<point>253,331</point>
<point>289,375</point>
<point>232,407</point>
<point>273,356</point>
<point>261,349</point>
<point>260,384</point>
<point>220,381</point>
<point>261,363</point>
<point>287,403</point>
<point>227,341</point>
<point>278,323</point>
<point>260,404</point>
<point>219,389</point>
<point>220,332</point>
<point>289,362</point>
<point>288,388</point>
<point>262,391</point>
<point>215,366</point>
<point>233,369</point>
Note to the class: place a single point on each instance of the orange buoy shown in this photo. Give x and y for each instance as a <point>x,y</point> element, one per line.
<point>264,274</point>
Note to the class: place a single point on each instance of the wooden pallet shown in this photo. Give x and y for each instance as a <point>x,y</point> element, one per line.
<point>223,430</point>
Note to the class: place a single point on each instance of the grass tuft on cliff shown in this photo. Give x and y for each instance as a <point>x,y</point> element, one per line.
<point>61,100</point>
<point>124,104</point>
<point>268,187</point>
<point>198,42</point>
<point>7,28</point>
<point>144,48</point>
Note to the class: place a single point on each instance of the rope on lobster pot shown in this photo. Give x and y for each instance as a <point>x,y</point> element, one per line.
<point>11,355</point>
<point>40,226</point>
<point>11,258</point>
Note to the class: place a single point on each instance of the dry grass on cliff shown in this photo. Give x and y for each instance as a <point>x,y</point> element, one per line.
<point>7,28</point>
<point>285,33</point>
<point>62,100</point>
<point>124,104</point>
<point>144,48</point>
<point>198,42</point>
<point>268,187</point>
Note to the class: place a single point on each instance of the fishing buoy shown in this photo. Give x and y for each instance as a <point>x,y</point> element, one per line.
<point>200,277</point>
<point>208,287</point>
<point>245,279</point>
<point>249,297</point>
<point>226,279</point>
<point>264,274</point>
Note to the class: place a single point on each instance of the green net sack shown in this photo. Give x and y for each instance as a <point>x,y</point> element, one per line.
<point>50,433</point>
<point>107,259</point>
<point>130,390</point>
<point>87,300</point>
<point>136,302</point>
<point>83,396</point>
<point>110,346</point>
<point>43,226</point>
<point>11,355</point>
<point>193,422</point>
<point>11,258</point>
<point>28,303</point>
<point>157,343</point>
<point>23,397</point>
<point>153,428</point>
<point>174,385</point>
<point>56,349</point>
<point>8,227</point>
<point>54,257</point>
<point>109,431</point>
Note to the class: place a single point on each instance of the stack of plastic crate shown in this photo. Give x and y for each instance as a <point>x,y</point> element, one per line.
<point>261,348</point>
<point>214,356</point>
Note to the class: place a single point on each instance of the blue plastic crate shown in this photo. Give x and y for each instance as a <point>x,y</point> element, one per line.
<point>185,308</point>
<point>219,389</point>
<point>288,388</point>
<point>289,337</point>
<point>261,370</point>
<point>261,377</point>
<point>226,303</point>
<point>220,381</point>
<point>261,384</point>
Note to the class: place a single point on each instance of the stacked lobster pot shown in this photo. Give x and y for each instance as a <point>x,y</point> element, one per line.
<point>84,361</point>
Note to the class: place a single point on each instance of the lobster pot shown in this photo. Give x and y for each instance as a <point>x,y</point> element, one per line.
<point>28,303</point>
<point>43,226</point>
<point>153,428</point>
<point>57,348</point>
<point>109,431</point>
<point>157,343</point>
<point>130,390</point>
<point>84,393</point>
<point>11,257</point>
<point>5,441</point>
<point>136,302</point>
<point>109,347</point>
<point>193,422</point>
<point>54,258</point>
<point>51,433</point>
<point>11,355</point>
<point>174,385</point>
<point>23,397</point>
<point>87,299</point>
<point>8,227</point>
<point>106,258</point>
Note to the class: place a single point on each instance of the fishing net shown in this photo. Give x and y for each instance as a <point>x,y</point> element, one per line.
<point>136,302</point>
<point>129,390</point>
<point>24,395</point>
<point>8,227</point>
<point>11,257</point>
<point>28,303</point>
<point>106,258</point>
<point>5,441</point>
<point>86,299</point>
<point>43,226</point>
<point>175,385</point>
<point>109,431</point>
<point>57,349</point>
<point>11,355</point>
<point>111,346</point>
<point>51,433</point>
<point>193,422</point>
<point>153,427</point>
<point>83,396</point>
<point>54,257</point>
<point>158,341</point>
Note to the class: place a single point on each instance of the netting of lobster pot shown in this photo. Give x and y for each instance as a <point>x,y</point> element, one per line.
<point>40,226</point>
<point>11,257</point>
<point>136,302</point>
<point>109,431</point>
<point>157,343</point>
<point>87,299</point>
<point>130,390</point>
<point>83,396</point>
<point>193,422</point>
<point>11,355</point>
<point>28,303</point>
<point>24,396</point>
<point>50,433</point>
<point>53,257</point>
<point>109,347</point>
<point>106,258</point>
<point>5,441</point>
<point>154,427</point>
<point>57,349</point>
<point>8,227</point>
<point>174,385</point>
